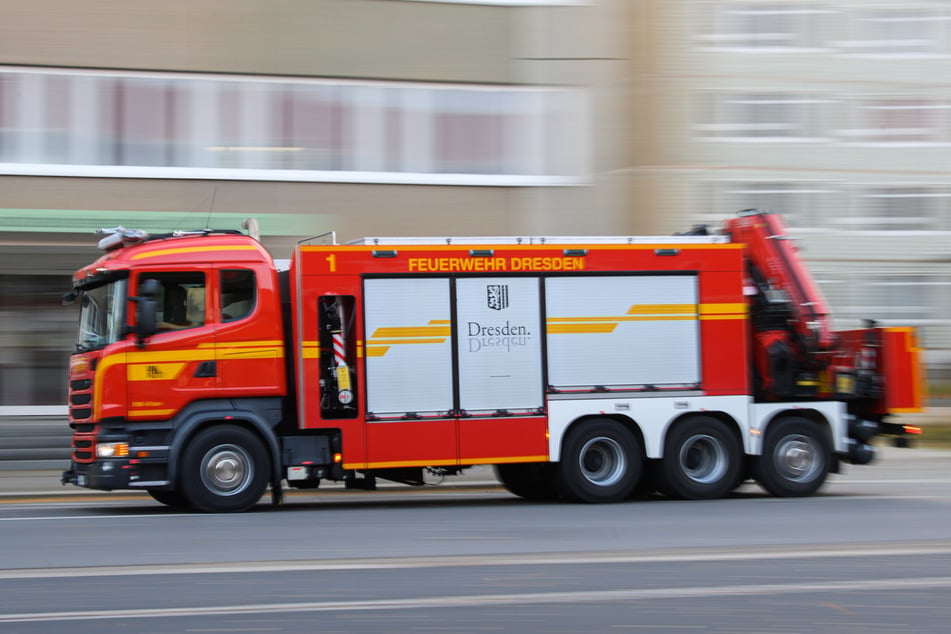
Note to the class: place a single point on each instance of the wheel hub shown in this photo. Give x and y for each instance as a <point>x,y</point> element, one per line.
<point>226,470</point>
<point>602,461</point>
<point>703,458</point>
<point>797,458</point>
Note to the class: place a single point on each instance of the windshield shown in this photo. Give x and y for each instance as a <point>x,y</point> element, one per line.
<point>102,316</point>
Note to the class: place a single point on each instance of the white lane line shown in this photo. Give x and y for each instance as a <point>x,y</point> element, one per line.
<point>585,596</point>
<point>477,561</point>
<point>48,518</point>
<point>847,480</point>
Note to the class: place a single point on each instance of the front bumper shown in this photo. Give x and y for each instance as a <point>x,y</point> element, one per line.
<point>104,475</point>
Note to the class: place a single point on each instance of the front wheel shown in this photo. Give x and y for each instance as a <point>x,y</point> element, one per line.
<point>796,458</point>
<point>224,470</point>
<point>600,462</point>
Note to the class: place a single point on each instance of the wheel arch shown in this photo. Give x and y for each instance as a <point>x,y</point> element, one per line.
<point>624,421</point>
<point>812,415</point>
<point>191,425</point>
<point>728,422</point>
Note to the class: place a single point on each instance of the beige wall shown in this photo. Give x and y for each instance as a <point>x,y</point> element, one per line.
<point>326,38</point>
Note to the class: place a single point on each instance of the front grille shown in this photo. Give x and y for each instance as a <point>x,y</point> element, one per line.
<point>80,413</point>
<point>83,450</point>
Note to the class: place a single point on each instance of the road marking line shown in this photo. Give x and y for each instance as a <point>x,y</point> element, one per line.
<point>584,596</point>
<point>93,517</point>
<point>483,561</point>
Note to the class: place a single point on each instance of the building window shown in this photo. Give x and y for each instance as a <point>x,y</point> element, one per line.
<point>901,208</point>
<point>798,203</point>
<point>896,299</point>
<point>900,120</point>
<point>779,26</point>
<point>903,30</point>
<point>270,129</point>
<point>910,299</point>
<point>760,117</point>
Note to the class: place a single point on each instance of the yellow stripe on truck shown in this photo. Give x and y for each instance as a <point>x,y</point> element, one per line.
<point>411,331</point>
<point>202,249</point>
<point>723,311</point>
<point>580,328</point>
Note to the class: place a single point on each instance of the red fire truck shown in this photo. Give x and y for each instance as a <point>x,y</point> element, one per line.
<point>587,369</point>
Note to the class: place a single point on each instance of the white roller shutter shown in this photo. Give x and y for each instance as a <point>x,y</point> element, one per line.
<point>408,347</point>
<point>617,331</point>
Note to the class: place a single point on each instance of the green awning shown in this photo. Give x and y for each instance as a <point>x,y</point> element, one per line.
<point>86,221</point>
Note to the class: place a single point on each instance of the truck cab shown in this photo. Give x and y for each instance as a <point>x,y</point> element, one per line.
<point>173,330</point>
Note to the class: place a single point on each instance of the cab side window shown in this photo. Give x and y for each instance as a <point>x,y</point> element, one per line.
<point>181,300</point>
<point>238,295</point>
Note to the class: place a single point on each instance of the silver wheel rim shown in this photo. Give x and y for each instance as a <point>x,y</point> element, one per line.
<point>703,459</point>
<point>227,470</point>
<point>798,458</point>
<point>602,461</point>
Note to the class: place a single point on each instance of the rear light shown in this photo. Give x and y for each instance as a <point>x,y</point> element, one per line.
<point>912,429</point>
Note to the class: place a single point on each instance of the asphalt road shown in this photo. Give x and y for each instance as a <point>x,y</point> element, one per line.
<point>871,553</point>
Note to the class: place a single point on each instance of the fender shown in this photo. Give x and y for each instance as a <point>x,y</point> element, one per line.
<point>254,412</point>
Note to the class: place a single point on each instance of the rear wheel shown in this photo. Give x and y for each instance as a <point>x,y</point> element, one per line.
<point>796,458</point>
<point>224,470</point>
<point>531,480</point>
<point>600,462</point>
<point>702,460</point>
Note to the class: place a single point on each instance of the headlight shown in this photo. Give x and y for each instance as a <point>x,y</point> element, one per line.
<point>112,449</point>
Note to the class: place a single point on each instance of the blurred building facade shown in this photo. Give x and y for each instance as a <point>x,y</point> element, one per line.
<point>407,117</point>
<point>838,115</point>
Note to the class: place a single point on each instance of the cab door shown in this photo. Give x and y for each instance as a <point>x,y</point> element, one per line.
<point>248,344</point>
<point>171,369</point>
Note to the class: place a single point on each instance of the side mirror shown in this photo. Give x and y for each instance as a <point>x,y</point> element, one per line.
<point>146,311</point>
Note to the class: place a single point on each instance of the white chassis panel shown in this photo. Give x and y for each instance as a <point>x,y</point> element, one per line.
<point>654,416</point>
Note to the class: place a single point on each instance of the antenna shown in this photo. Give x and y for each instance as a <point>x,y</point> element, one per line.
<point>211,207</point>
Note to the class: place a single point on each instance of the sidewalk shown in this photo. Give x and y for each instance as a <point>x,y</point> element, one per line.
<point>46,483</point>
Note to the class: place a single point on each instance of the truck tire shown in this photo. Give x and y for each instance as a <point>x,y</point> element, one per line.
<point>530,480</point>
<point>796,458</point>
<point>173,499</point>
<point>224,470</point>
<point>702,460</point>
<point>600,463</point>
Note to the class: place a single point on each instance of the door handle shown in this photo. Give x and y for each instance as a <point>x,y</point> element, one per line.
<point>206,370</point>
